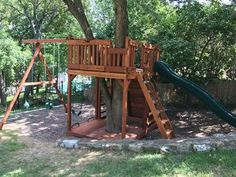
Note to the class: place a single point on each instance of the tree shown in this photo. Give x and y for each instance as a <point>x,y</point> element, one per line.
<point>113,102</point>
<point>34,20</point>
<point>11,59</point>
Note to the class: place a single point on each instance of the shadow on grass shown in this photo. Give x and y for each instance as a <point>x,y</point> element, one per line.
<point>81,163</point>
<point>8,149</point>
<point>220,163</point>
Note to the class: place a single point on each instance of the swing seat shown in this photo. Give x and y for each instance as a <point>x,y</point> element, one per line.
<point>49,105</point>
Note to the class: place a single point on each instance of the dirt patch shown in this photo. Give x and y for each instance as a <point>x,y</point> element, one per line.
<point>50,125</point>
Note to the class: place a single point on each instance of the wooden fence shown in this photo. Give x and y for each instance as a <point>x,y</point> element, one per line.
<point>223,91</point>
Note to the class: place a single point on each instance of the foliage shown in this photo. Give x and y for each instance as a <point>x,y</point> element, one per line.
<point>197,39</point>
<point>12,59</point>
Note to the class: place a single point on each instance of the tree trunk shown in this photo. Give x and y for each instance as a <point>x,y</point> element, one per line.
<point>3,96</point>
<point>113,102</point>
<point>121,31</point>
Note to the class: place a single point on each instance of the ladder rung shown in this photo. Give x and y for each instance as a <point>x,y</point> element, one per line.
<point>151,122</point>
<point>146,82</point>
<point>155,101</point>
<point>164,122</point>
<point>170,133</point>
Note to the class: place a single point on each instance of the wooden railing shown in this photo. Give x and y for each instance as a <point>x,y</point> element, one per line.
<point>100,55</point>
<point>149,54</point>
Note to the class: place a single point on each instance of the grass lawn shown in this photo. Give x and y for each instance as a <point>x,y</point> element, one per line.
<point>21,159</point>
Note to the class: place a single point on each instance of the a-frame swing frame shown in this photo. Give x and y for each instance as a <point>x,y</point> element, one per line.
<point>37,54</point>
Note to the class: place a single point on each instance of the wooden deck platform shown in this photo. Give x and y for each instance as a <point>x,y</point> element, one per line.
<point>95,129</point>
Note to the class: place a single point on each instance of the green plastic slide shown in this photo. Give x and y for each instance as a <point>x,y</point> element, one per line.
<point>164,70</point>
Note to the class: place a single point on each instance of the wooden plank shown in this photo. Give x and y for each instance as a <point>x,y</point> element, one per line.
<point>124,108</point>
<point>117,51</point>
<point>74,54</point>
<point>100,74</point>
<point>69,104</point>
<point>21,84</point>
<point>105,55</point>
<point>40,41</point>
<point>70,54</point>
<point>78,54</point>
<point>115,69</point>
<point>118,60</point>
<point>97,55</point>
<point>81,54</point>
<point>91,42</point>
<point>39,83</point>
<point>93,55</point>
<point>85,54</point>
<point>98,100</point>
<point>89,54</point>
<point>86,67</point>
<point>114,59</point>
<point>101,55</point>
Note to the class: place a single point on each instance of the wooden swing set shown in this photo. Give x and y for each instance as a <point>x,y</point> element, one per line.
<point>23,83</point>
<point>142,110</point>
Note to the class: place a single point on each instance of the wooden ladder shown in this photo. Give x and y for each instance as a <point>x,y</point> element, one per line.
<point>155,106</point>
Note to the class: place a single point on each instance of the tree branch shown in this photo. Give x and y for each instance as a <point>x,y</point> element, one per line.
<point>76,8</point>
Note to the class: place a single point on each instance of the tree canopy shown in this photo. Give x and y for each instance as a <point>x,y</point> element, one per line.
<point>197,39</point>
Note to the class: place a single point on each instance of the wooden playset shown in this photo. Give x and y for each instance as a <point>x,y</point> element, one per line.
<point>142,110</point>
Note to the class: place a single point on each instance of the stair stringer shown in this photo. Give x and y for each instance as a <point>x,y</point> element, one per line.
<point>156,110</point>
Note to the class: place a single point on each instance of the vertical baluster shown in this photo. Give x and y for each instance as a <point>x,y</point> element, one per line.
<point>70,54</point>
<point>78,54</point>
<point>105,55</point>
<point>117,59</point>
<point>93,55</point>
<point>97,55</point>
<point>114,59</point>
<point>82,54</point>
<point>89,54</point>
<point>123,60</point>
<point>73,55</point>
<point>85,54</point>
<point>101,55</point>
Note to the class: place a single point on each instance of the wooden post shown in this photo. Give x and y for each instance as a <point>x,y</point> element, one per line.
<point>69,103</point>
<point>127,55</point>
<point>124,108</point>
<point>21,84</point>
<point>98,100</point>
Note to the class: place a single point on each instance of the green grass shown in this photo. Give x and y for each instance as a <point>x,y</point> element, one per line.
<point>196,164</point>
<point>58,162</point>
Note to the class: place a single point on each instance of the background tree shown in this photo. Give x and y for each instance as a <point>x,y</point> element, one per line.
<point>11,59</point>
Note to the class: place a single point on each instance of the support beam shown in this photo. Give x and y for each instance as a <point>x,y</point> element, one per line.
<point>124,108</point>
<point>98,100</point>
<point>40,41</point>
<point>39,83</point>
<point>21,84</point>
<point>70,78</point>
